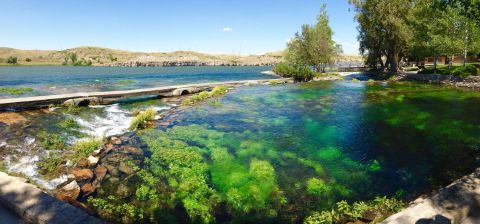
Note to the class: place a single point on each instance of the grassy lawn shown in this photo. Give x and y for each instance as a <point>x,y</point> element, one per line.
<point>457,69</point>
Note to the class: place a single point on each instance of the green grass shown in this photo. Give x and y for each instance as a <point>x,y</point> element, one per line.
<point>14,90</point>
<point>126,82</point>
<point>85,147</point>
<point>217,91</point>
<point>457,70</point>
<point>142,119</point>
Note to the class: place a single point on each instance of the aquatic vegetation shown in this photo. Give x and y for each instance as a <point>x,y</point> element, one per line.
<point>216,91</point>
<point>126,82</point>
<point>72,109</point>
<point>344,212</point>
<point>317,187</point>
<point>355,80</point>
<point>85,147</point>
<point>276,82</point>
<point>15,90</point>
<point>50,164</point>
<point>69,123</point>
<point>51,140</point>
<point>110,208</point>
<point>143,119</point>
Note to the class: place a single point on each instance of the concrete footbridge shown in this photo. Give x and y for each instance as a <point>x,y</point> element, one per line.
<point>108,97</point>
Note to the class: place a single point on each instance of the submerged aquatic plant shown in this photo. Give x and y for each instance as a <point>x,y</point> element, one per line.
<point>344,212</point>
<point>126,82</point>
<point>50,164</point>
<point>69,123</point>
<point>51,140</point>
<point>142,119</point>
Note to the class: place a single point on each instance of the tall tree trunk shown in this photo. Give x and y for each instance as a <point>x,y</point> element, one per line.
<point>465,43</point>
<point>435,62</point>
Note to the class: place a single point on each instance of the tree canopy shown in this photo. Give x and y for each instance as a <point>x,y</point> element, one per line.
<point>313,45</point>
<point>396,29</point>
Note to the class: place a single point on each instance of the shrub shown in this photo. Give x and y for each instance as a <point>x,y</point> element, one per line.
<point>12,60</point>
<point>466,71</point>
<point>28,59</point>
<point>297,72</point>
<point>142,119</point>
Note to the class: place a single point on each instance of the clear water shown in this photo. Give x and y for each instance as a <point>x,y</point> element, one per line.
<point>55,79</point>
<point>317,143</point>
<point>277,153</point>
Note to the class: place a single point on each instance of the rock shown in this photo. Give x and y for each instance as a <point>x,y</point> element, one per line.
<point>116,140</point>
<point>82,163</point>
<point>124,168</point>
<point>68,192</point>
<point>82,174</point>
<point>112,170</point>
<point>88,189</point>
<point>109,146</point>
<point>92,161</point>
<point>100,172</point>
<point>133,150</point>
<point>165,123</point>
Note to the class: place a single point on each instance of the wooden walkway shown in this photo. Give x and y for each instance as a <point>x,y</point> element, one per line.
<point>83,99</point>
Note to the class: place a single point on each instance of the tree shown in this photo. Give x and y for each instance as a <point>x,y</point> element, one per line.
<point>384,30</point>
<point>28,59</point>
<point>12,60</point>
<point>73,57</point>
<point>313,46</point>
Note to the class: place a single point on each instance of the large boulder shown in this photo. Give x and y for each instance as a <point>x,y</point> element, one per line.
<point>69,192</point>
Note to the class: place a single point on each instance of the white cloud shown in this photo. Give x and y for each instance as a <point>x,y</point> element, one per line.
<point>227,29</point>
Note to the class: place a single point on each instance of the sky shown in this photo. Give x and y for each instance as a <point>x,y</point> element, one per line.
<point>210,26</point>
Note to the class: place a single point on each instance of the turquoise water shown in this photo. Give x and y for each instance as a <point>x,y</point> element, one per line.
<point>269,153</point>
<point>279,153</point>
<point>57,79</point>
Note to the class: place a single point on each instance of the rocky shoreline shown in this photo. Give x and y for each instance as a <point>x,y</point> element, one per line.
<point>471,82</point>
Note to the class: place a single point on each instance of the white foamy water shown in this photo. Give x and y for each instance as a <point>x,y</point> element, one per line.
<point>114,121</point>
<point>27,165</point>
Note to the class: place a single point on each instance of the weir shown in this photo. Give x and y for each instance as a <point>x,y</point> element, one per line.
<point>108,97</point>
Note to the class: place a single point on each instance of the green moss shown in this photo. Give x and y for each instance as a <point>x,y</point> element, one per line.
<point>143,119</point>
<point>14,90</point>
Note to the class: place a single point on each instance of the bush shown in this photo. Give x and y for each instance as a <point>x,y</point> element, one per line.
<point>12,60</point>
<point>297,72</point>
<point>28,59</point>
<point>466,71</point>
<point>142,119</point>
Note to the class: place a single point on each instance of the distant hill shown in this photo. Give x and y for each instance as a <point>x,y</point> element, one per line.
<point>111,57</point>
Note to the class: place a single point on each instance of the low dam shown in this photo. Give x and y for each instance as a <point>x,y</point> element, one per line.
<point>108,97</point>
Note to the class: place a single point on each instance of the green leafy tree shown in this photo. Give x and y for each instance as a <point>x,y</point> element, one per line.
<point>313,46</point>
<point>73,58</point>
<point>12,60</point>
<point>383,30</point>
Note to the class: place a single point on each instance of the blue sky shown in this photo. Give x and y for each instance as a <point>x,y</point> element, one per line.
<point>213,26</point>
